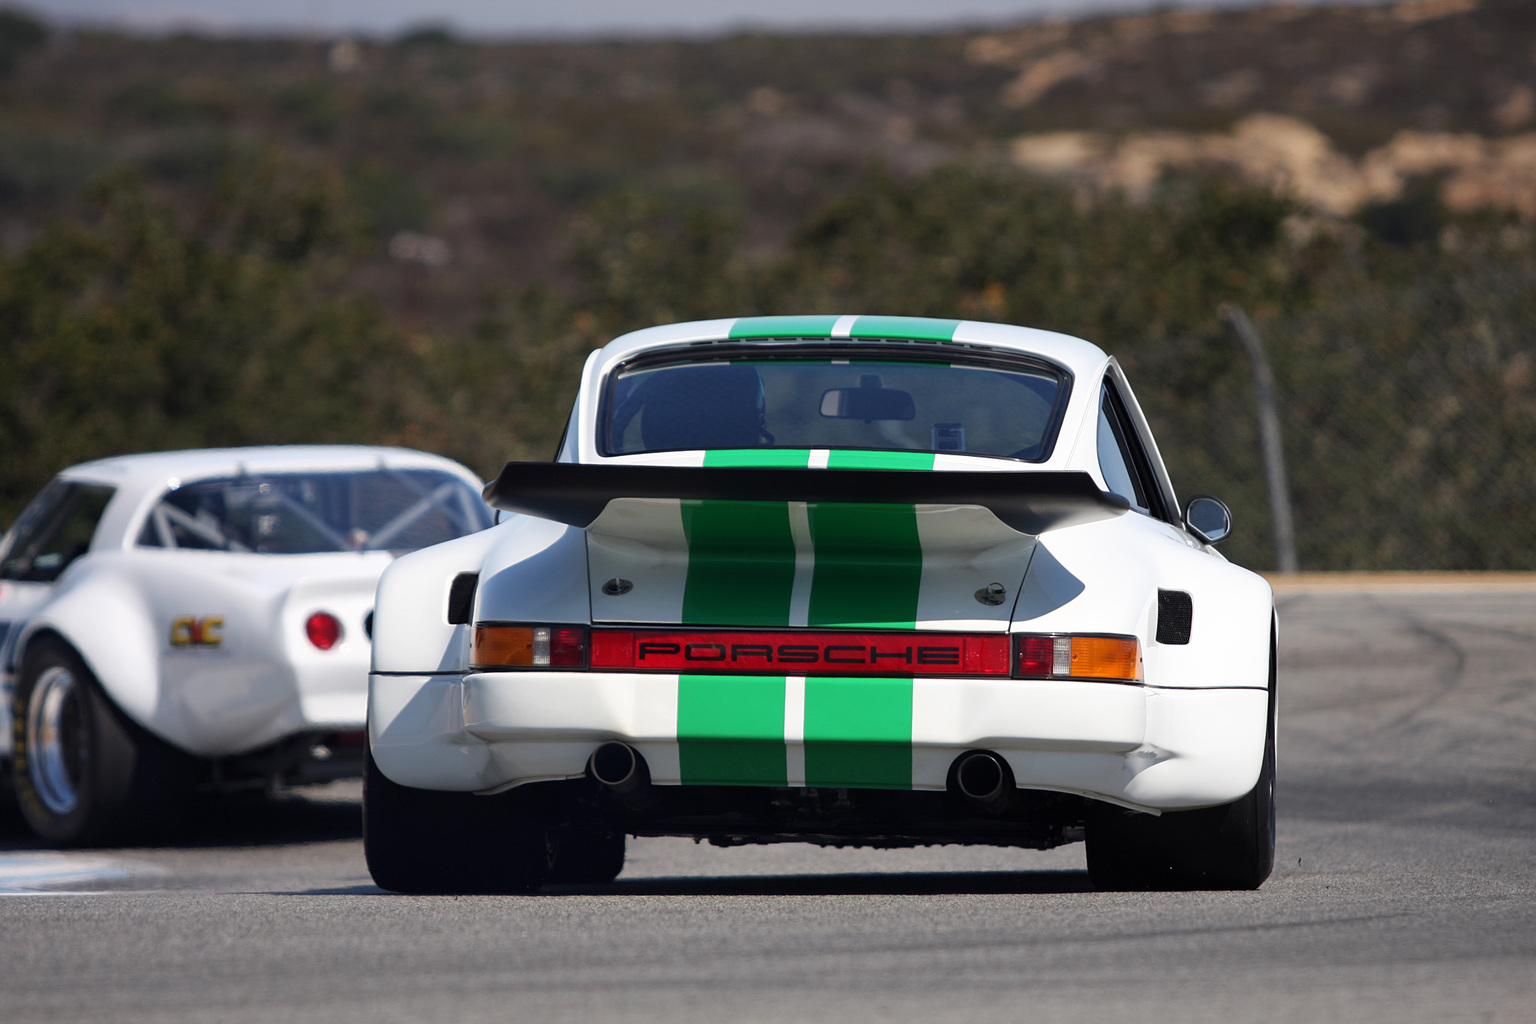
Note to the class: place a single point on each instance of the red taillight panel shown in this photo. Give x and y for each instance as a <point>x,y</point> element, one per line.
<point>613,649</point>
<point>567,647</point>
<point>323,630</point>
<point>1110,658</point>
<point>1035,656</point>
<point>801,652</point>
<point>495,646</point>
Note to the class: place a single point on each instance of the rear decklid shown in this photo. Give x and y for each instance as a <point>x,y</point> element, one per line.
<point>772,547</point>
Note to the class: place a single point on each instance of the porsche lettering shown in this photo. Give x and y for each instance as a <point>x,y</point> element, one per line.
<point>796,654</point>
<point>808,653</point>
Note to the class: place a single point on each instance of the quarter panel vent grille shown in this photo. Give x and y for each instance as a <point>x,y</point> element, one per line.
<point>461,597</point>
<point>1175,616</point>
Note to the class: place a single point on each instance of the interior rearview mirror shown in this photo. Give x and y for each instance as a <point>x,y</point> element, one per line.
<point>1208,518</point>
<point>868,402</point>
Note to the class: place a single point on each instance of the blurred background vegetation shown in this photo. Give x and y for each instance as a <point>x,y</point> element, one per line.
<point>211,241</point>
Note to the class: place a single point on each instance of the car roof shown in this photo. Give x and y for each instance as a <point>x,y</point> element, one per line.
<point>156,469</point>
<point>1074,354</point>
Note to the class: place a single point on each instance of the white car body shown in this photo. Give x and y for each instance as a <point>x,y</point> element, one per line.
<point>1189,732</point>
<point>207,649</point>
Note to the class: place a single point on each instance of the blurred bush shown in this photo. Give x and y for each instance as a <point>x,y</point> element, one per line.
<point>140,329</point>
<point>20,33</point>
<point>1404,364</point>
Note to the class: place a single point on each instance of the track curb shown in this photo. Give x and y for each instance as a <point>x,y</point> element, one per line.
<point>1365,582</point>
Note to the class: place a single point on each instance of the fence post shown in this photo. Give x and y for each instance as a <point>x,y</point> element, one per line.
<point>1269,436</point>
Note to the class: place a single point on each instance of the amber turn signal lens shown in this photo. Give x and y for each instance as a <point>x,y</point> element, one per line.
<point>1105,657</point>
<point>502,646</point>
<point>529,647</point>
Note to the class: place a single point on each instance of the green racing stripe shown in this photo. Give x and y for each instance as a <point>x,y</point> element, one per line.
<point>741,563</point>
<point>853,459</point>
<point>869,566</point>
<point>865,571</point>
<point>783,327</point>
<point>857,731</point>
<point>730,730</point>
<point>868,561</point>
<point>918,328</point>
<point>773,458</point>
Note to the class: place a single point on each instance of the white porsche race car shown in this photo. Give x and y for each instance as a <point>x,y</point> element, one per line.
<point>855,581</point>
<point>201,619</point>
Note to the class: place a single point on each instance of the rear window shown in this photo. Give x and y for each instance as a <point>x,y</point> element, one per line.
<point>302,513</point>
<point>53,531</point>
<point>852,402</point>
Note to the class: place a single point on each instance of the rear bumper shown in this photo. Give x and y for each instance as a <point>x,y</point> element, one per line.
<point>1141,746</point>
<point>232,707</point>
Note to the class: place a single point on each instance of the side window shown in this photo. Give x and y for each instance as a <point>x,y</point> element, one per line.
<point>1114,460</point>
<point>1127,470</point>
<point>566,450</point>
<point>54,530</point>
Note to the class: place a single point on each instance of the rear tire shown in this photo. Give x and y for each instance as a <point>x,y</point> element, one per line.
<point>1231,846</point>
<point>586,856</point>
<point>84,774</point>
<point>428,841</point>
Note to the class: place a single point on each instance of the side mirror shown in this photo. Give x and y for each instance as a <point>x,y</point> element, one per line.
<point>868,402</point>
<point>1208,518</point>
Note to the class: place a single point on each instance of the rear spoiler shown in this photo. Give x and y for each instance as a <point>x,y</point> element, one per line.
<point>576,494</point>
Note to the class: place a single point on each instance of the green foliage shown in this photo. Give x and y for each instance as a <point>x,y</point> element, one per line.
<point>427,34</point>
<point>139,331</point>
<point>642,259</point>
<point>316,107</point>
<point>1405,373</point>
<point>1415,218</point>
<point>20,33</point>
<point>1005,247</point>
<point>153,101</point>
<point>37,163</point>
<point>1406,370</point>
<point>1411,408</point>
<point>388,199</point>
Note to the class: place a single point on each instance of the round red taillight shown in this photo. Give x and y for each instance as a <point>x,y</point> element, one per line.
<point>323,630</point>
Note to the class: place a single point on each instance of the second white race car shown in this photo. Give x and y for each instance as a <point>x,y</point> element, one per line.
<point>851,580</point>
<point>202,619</point>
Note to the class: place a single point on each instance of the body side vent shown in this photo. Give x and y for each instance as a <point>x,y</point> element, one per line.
<point>1175,616</point>
<point>461,598</point>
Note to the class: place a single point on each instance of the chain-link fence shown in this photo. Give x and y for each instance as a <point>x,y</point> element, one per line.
<point>1408,421</point>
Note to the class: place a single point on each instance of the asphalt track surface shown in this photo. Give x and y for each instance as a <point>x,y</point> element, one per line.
<point>1405,890</point>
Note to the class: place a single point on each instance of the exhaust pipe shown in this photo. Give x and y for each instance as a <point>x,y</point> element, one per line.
<point>620,767</point>
<point>983,778</point>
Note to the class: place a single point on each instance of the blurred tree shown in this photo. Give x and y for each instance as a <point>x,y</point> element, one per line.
<point>138,331</point>
<point>20,33</point>
<point>644,259</point>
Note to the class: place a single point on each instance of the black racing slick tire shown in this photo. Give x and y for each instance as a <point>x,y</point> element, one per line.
<point>426,841</point>
<point>84,774</point>
<point>587,856</point>
<point>1231,846</point>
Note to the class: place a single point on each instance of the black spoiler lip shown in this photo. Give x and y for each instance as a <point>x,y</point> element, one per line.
<point>1030,502</point>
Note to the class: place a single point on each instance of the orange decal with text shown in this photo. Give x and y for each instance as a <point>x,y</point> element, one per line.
<point>191,631</point>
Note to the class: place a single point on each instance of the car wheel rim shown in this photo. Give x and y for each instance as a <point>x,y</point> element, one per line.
<point>53,740</point>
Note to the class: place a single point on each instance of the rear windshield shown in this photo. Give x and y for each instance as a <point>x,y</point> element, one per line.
<point>300,513</point>
<point>845,403</point>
